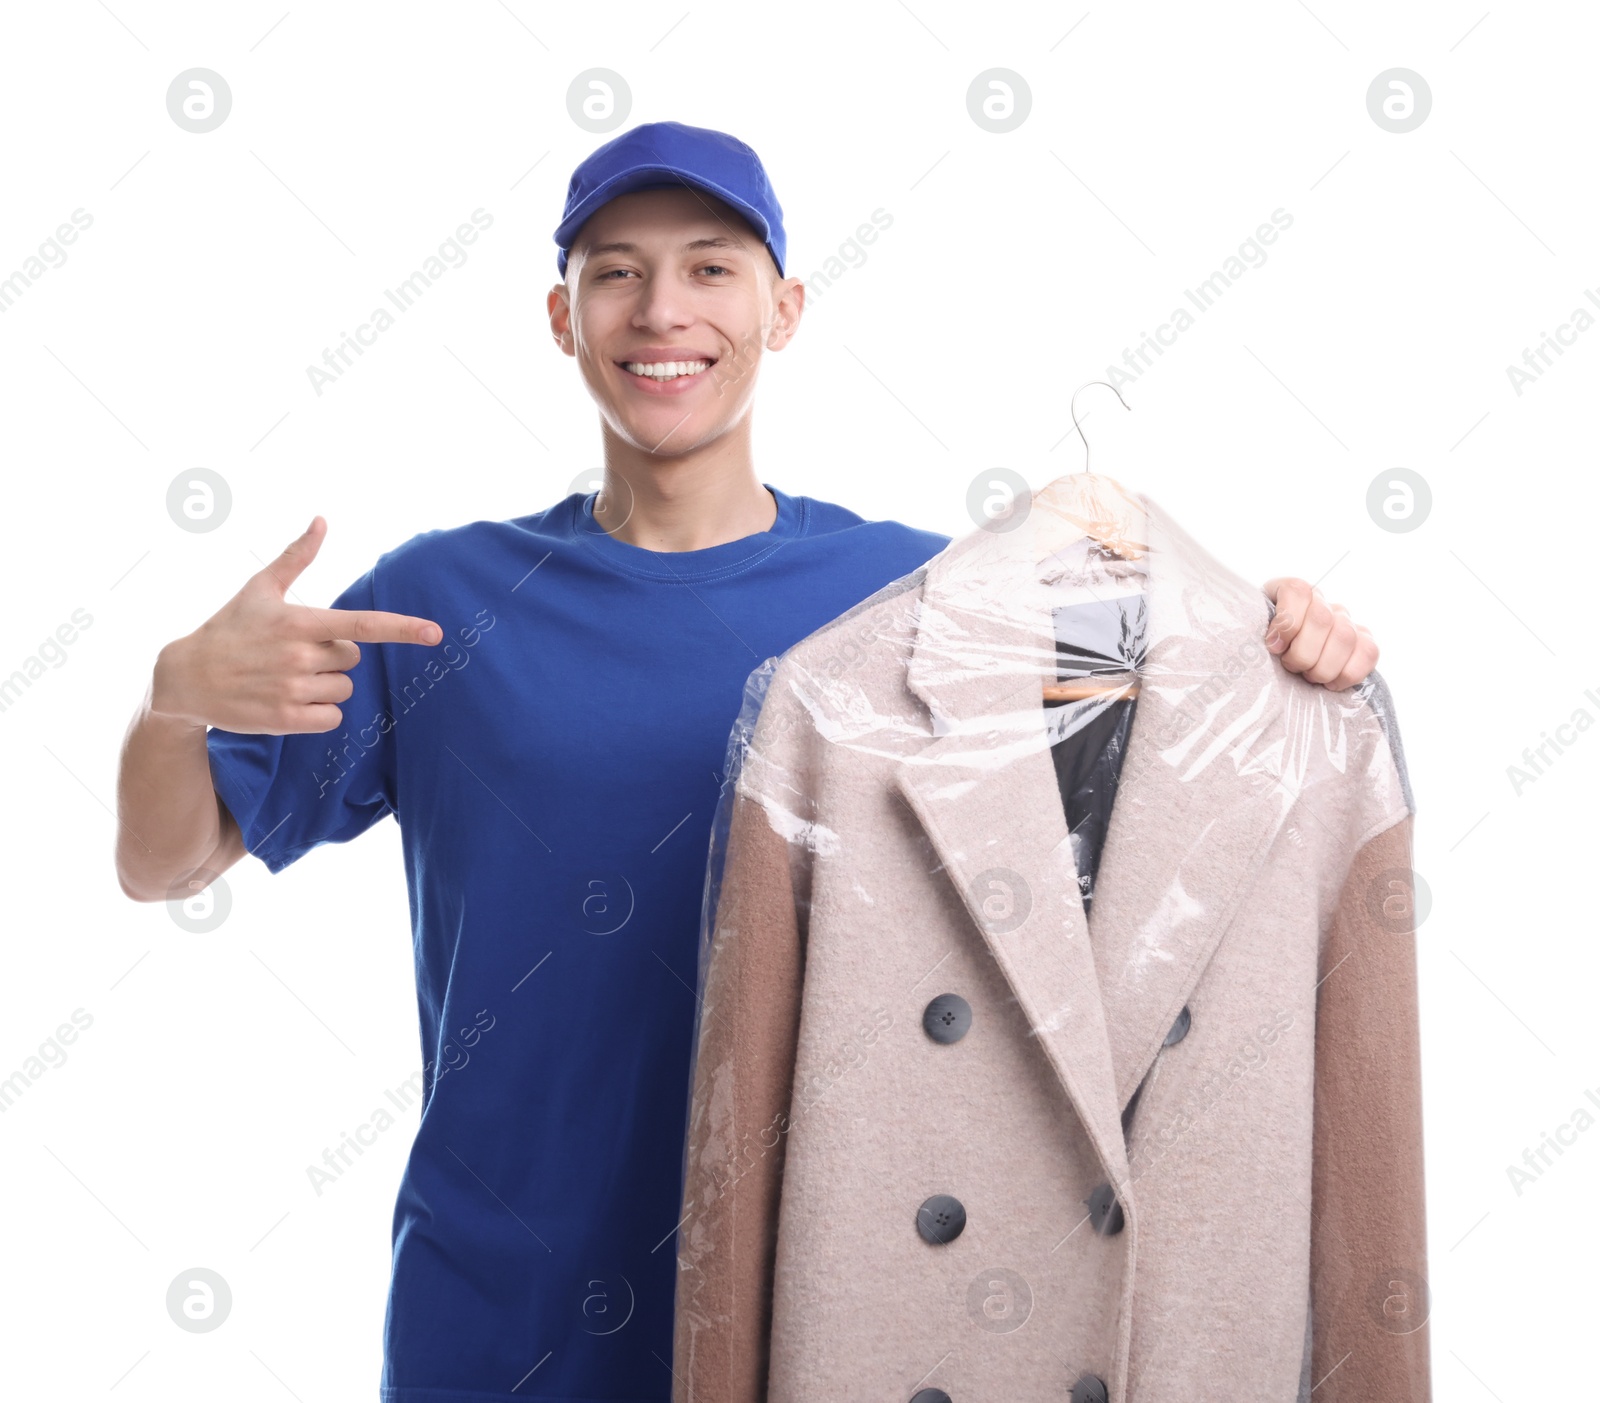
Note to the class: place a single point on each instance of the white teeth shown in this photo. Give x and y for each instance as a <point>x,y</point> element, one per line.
<point>666,370</point>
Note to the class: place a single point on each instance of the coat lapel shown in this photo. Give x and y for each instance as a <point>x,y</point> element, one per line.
<point>1200,796</point>
<point>984,789</point>
<point>1205,787</point>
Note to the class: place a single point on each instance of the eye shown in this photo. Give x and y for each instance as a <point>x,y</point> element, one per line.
<point>720,267</point>
<point>611,272</point>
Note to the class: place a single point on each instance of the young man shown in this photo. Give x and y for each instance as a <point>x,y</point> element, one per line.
<point>544,704</point>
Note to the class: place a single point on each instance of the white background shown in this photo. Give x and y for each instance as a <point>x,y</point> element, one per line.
<point>1017,266</point>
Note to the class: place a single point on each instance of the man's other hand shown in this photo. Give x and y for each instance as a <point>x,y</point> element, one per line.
<point>1316,639</point>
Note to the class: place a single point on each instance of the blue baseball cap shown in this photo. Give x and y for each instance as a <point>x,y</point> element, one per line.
<point>670,155</point>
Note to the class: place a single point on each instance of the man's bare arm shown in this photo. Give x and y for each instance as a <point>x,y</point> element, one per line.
<point>259,666</point>
<point>170,821</point>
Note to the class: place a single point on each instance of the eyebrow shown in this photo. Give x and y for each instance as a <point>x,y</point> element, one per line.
<point>693,246</point>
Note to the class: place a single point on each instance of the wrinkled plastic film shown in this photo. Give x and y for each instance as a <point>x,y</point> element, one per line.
<point>1025,1004</point>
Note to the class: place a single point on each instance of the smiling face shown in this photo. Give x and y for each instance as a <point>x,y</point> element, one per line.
<point>670,300</point>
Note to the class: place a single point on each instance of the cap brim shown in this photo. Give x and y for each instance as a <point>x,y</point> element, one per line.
<point>648,177</point>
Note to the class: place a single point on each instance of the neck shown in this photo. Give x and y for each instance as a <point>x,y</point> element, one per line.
<point>703,498</point>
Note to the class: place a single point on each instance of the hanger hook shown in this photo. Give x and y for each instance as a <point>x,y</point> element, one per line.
<point>1073,409</point>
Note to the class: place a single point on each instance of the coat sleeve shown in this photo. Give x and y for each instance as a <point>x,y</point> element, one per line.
<point>739,1117</point>
<point>1369,1291</point>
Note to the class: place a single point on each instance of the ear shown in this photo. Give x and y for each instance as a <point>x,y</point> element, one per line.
<point>559,307</point>
<point>789,301</point>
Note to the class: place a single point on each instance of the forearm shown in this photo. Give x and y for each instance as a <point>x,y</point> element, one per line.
<point>169,822</point>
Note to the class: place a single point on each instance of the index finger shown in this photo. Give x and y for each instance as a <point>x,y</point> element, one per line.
<point>368,626</point>
<point>1291,598</point>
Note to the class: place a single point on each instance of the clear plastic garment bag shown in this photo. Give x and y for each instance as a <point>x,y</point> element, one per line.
<point>1057,1027</point>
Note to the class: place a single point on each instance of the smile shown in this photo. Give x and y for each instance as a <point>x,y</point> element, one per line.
<point>665,370</point>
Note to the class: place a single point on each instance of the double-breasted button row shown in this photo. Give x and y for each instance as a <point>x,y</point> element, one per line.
<point>947,1018</point>
<point>942,1217</point>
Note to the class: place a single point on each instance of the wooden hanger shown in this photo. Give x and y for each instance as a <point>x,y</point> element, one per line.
<point>1083,504</point>
<point>1077,691</point>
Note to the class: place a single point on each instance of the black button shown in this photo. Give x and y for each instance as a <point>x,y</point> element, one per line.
<point>941,1219</point>
<point>1090,1388</point>
<point>1127,1111</point>
<point>1179,1029</point>
<point>947,1018</point>
<point>1105,1213</point>
<point>930,1395</point>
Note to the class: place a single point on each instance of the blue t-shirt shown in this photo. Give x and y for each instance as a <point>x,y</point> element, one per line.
<point>554,764</point>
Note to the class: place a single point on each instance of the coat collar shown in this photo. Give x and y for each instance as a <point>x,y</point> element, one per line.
<point>1199,799</point>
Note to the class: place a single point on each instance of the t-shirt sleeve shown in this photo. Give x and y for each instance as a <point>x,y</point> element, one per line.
<point>291,793</point>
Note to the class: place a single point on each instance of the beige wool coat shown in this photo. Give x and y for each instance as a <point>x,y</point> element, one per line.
<point>1227,1050</point>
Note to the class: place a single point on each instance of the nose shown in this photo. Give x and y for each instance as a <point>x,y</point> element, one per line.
<point>662,305</point>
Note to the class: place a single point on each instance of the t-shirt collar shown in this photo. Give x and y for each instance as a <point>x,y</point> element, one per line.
<point>688,565</point>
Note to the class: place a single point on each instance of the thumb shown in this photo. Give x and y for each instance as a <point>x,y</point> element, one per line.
<point>299,553</point>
